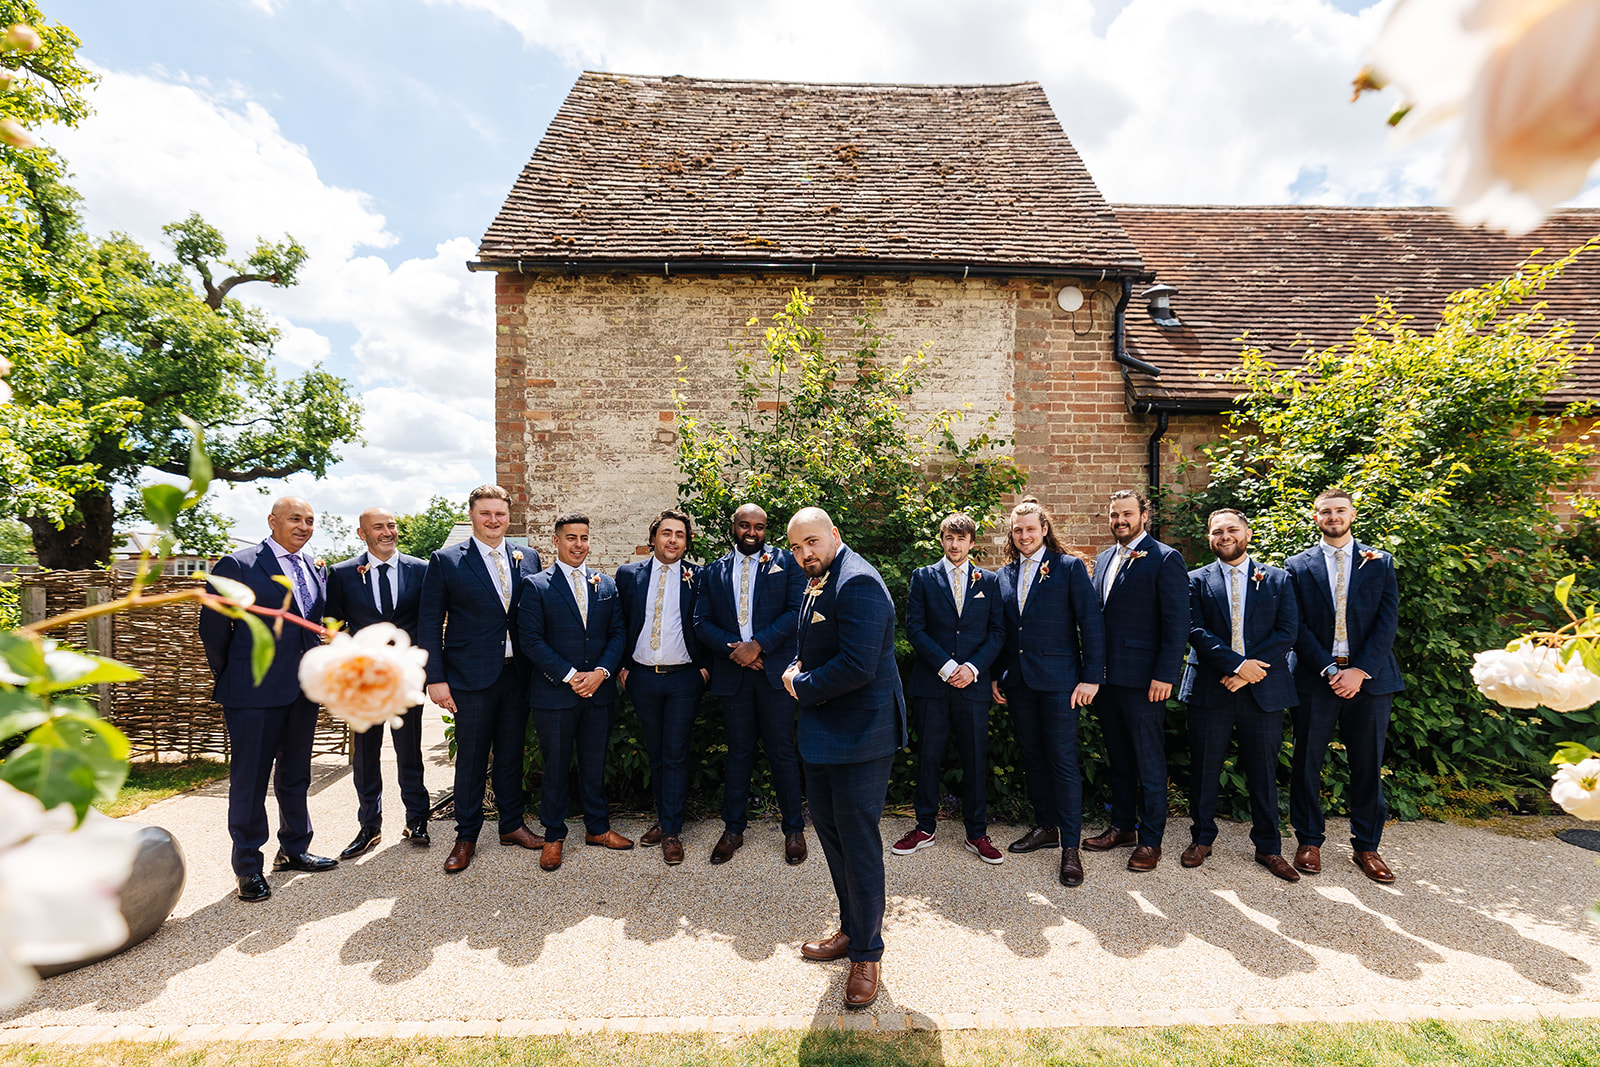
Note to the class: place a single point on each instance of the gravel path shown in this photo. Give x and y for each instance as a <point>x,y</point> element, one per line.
<point>1476,921</point>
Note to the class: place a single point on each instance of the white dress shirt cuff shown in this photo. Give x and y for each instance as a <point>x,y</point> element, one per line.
<point>571,673</point>
<point>950,667</point>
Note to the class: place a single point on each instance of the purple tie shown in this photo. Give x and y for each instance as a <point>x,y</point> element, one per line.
<point>303,593</point>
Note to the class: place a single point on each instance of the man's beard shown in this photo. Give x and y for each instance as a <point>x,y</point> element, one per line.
<point>747,548</point>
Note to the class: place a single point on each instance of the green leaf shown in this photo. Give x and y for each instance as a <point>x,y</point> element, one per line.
<point>1571,752</point>
<point>238,592</point>
<point>68,669</point>
<point>262,649</point>
<point>53,774</point>
<point>199,462</point>
<point>20,711</point>
<point>162,504</point>
<point>1564,588</point>
<point>24,656</point>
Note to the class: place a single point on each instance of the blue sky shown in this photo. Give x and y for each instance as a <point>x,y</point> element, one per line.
<point>384,134</point>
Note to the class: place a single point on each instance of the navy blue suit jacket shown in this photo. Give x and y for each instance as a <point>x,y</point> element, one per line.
<point>461,621</point>
<point>228,642</point>
<point>635,587</point>
<point>852,708</point>
<point>940,635</point>
<point>1371,617</point>
<point>556,640</point>
<point>1271,622</point>
<point>779,587</point>
<point>350,593</point>
<point>1146,615</point>
<point>1060,640</point>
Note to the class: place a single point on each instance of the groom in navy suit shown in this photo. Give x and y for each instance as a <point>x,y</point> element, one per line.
<point>382,585</point>
<point>1243,620</point>
<point>1347,676</point>
<point>466,621</point>
<point>270,726</point>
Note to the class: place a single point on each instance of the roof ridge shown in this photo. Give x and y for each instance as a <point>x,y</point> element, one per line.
<point>1374,209</point>
<point>693,80</point>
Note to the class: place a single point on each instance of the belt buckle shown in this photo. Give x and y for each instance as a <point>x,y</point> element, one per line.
<point>1341,661</point>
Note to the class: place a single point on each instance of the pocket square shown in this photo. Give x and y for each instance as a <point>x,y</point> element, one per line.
<point>776,568</point>
<point>977,596</point>
<point>817,616</point>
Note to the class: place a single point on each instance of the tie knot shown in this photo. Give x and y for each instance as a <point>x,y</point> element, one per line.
<point>383,568</point>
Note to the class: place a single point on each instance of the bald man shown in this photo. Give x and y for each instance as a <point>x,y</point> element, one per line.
<point>270,725</point>
<point>852,721</point>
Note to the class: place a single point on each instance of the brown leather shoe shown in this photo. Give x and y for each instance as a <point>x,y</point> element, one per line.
<point>833,947</point>
<point>1308,859</point>
<point>794,849</point>
<point>1278,866</point>
<point>671,849</point>
<point>1194,855</point>
<point>1144,858</point>
<point>1071,867</point>
<point>1109,840</point>
<point>460,857</point>
<point>609,839</point>
<point>550,857</point>
<point>1373,867</point>
<point>651,837</point>
<point>524,837</point>
<point>725,847</point>
<point>1036,838</point>
<point>861,988</point>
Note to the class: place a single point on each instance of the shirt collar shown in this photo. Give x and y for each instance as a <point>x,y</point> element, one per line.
<point>485,551</point>
<point>567,570</point>
<point>950,568</point>
<point>1346,549</point>
<point>1243,566</point>
<point>279,551</point>
<point>672,568</point>
<point>1133,546</point>
<point>1038,554</point>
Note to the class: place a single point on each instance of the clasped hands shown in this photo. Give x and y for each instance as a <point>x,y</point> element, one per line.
<point>1250,672</point>
<point>746,654</point>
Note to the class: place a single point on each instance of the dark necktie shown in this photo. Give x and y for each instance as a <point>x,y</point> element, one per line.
<point>385,593</point>
<point>303,598</point>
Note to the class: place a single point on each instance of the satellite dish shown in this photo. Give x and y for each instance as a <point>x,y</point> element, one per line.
<point>1070,298</point>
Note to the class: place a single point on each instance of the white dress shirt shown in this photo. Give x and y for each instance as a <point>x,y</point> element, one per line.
<point>674,650</point>
<point>373,563</point>
<point>488,555</point>
<point>951,574</point>
<point>1023,569</point>
<point>583,584</point>
<point>1329,557</point>
<point>307,569</point>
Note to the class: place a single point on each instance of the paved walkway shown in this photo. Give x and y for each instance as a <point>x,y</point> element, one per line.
<point>1478,926</point>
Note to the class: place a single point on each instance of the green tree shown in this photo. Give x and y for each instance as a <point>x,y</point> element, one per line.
<point>1446,439</point>
<point>16,543</point>
<point>424,533</point>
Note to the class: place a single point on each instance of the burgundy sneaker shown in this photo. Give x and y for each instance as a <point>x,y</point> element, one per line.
<point>980,847</point>
<point>911,842</point>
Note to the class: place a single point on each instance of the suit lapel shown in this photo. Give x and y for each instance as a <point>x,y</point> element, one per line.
<point>559,575</point>
<point>1356,548</point>
<point>267,560</point>
<point>942,577</point>
<point>475,564</point>
<point>1319,571</point>
<point>686,602</point>
<point>1218,580</point>
<point>1100,565</point>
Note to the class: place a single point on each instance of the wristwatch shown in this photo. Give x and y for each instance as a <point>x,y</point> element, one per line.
<point>1330,670</point>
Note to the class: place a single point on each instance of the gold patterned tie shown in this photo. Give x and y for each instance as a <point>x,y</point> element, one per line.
<point>744,589</point>
<point>661,599</point>
<point>958,586</point>
<point>1111,574</point>
<point>580,595</point>
<point>505,579</point>
<point>1238,612</point>
<point>1022,586</point>
<point>1341,635</point>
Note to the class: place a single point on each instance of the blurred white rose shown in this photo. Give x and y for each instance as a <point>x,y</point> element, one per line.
<point>1577,788</point>
<point>1532,675</point>
<point>12,133</point>
<point>22,37</point>
<point>1523,79</point>
<point>368,679</point>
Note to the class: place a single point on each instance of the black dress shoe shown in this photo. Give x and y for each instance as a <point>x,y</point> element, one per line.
<point>303,861</point>
<point>369,836</point>
<point>417,831</point>
<point>253,887</point>
<point>1036,838</point>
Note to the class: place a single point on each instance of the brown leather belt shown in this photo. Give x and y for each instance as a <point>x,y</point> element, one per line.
<point>1341,661</point>
<point>666,668</point>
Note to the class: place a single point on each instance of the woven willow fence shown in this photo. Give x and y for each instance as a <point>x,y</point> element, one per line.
<point>169,712</point>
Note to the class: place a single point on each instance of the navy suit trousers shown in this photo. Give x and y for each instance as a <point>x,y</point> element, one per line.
<point>268,743</point>
<point>366,763</point>
<point>757,710</point>
<point>584,729</point>
<point>490,720</point>
<point>1047,732</point>
<point>667,705</point>
<point>846,808</point>
<point>967,721</point>
<point>1136,749</point>
<point>1363,723</point>
<point>1260,739</point>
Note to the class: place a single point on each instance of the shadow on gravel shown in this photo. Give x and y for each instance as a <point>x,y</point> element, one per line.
<point>826,1044</point>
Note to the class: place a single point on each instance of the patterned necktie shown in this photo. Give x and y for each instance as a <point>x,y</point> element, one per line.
<point>1112,572</point>
<point>746,565</point>
<point>661,599</point>
<point>579,595</point>
<point>504,578</point>
<point>387,603</point>
<point>1022,586</point>
<point>302,594</point>
<point>957,586</point>
<point>1341,635</point>
<point>1238,611</point>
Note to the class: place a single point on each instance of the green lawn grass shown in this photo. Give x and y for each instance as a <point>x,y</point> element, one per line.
<point>1553,1042</point>
<point>150,782</point>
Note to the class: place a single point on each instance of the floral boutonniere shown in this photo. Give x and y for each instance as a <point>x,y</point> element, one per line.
<point>594,580</point>
<point>361,569</point>
<point>688,575</point>
<point>975,575</point>
<point>815,585</point>
<point>516,555</point>
<point>1134,557</point>
<point>320,563</point>
<point>1044,571</point>
<point>1257,577</point>
<point>1368,556</point>
<point>766,557</point>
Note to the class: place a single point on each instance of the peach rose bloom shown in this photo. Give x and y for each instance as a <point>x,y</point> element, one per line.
<point>366,680</point>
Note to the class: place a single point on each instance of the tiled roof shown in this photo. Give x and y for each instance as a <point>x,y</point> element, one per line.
<point>685,169</point>
<point>1313,272</point>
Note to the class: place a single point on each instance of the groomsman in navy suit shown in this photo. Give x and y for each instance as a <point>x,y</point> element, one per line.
<point>852,721</point>
<point>1243,620</point>
<point>270,726</point>
<point>571,623</point>
<point>382,584</point>
<point>1347,676</point>
<point>1051,666</point>
<point>664,669</point>
<point>1143,588</point>
<point>466,621</point>
<point>956,622</point>
<point>745,618</point>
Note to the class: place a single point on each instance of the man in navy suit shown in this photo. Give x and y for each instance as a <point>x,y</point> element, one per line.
<point>956,623</point>
<point>1347,675</point>
<point>852,720</point>
<point>571,623</point>
<point>664,672</point>
<point>466,621</point>
<point>745,617</point>
<point>1144,592</point>
<point>270,726</point>
<point>1243,620</point>
<point>1052,665</point>
<point>382,585</point>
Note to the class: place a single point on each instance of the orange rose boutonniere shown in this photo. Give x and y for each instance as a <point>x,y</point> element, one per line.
<point>1367,556</point>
